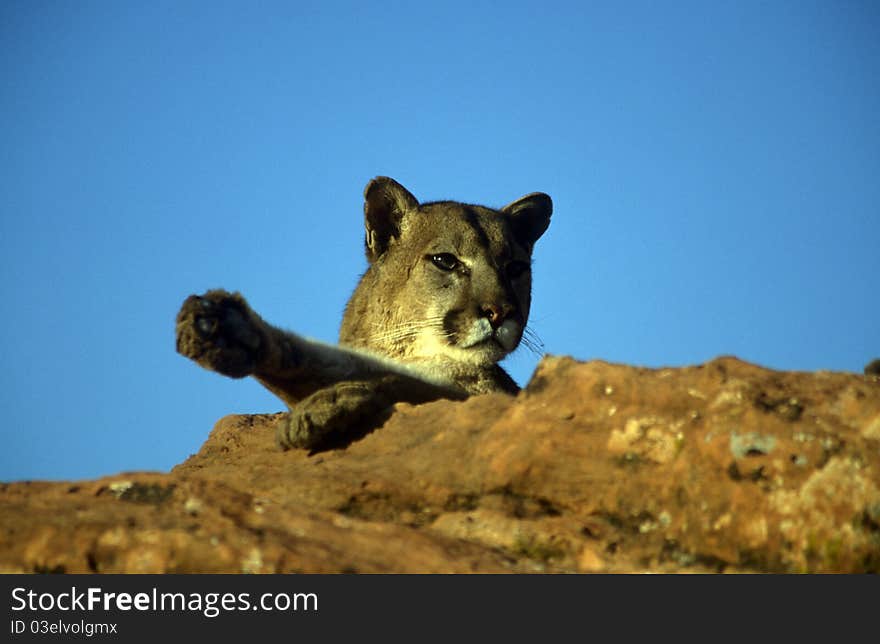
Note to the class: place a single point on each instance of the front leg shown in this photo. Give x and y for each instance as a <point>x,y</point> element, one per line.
<point>345,411</point>
<point>220,332</point>
<point>333,415</point>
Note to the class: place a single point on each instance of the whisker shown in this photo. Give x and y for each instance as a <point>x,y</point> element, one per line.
<point>402,330</point>
<point>532,341</point>
<point>407,330</point>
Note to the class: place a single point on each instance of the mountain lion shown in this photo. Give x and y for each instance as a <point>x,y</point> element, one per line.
<point>446,296</point>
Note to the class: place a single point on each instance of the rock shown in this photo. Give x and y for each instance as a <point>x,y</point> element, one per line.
<point>592,468</point>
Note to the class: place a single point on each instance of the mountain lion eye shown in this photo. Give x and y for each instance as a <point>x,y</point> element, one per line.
<point>445,261</point>
<point>515,269</point>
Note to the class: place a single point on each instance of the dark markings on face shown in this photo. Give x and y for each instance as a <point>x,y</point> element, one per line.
<point>473,220</point>
<point>512,299</point>
<point>450,325</point>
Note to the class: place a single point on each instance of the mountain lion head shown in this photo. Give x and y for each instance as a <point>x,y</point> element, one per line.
<point>447,281</point>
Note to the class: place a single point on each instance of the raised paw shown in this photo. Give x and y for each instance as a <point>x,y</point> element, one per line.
<point>218,330</point>
<point>334,415</point>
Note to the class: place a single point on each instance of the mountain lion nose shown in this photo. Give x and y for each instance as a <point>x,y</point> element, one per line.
<point>496,313</point>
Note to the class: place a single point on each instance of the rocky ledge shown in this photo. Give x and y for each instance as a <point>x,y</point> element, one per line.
<point>594,467</point>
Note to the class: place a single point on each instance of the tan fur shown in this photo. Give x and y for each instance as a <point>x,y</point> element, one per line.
<point>446,296</point>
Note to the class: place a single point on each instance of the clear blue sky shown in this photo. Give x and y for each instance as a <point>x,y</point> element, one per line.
<point>715,169</point>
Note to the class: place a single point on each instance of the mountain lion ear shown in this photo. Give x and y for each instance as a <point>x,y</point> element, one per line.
<point>529,217</point>
<point>385,203</point>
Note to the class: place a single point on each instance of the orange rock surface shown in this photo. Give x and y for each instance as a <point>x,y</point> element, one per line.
<point>594,467</point>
